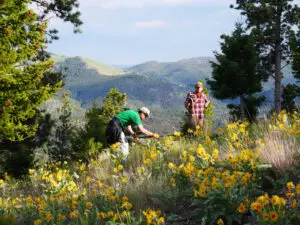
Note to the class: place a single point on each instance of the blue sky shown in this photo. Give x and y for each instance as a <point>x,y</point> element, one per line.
<point>127,32</point>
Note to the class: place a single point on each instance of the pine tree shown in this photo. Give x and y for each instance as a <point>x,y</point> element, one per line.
<point>64,10</point>
<point>271,22</point>
<point>112,105</point>
<point>60,148</point>
<point>25,82</point>
<point>92,138</point>
<point>292,91</point>
<point>236,71</point>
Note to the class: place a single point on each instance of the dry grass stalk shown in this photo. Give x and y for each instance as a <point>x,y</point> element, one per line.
<point>280,150</point>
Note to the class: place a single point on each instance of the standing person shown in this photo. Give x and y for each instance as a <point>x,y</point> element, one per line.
<point>125,120</point>
<point>196,102</point>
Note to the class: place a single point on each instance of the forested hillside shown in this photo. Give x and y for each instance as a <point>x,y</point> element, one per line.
<point>161,86</point>
<point>164,92</point>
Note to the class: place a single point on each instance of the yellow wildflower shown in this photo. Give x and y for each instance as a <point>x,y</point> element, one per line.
<point>273,216</point>
<point>73,215</point>
<point>177,134</point>
<point>126,205</point>
<point>120,167</point>
<point>60,217</point>
<point>110,213</point>
<point>298,189</point>
<point>31,171</point>
<point>161,221</point>
<point>155,135</point>
<point>215,153</point>
<point>173,182</point>
<point>294,203</point>
<point>290,185</point>
<point>265,216</point>
<point>256,206</point>
<point>171,165</point>
<point>101,215</point>
<point>48,217</point>
<point>37,222</point>
<point>275,200</point>
<point>88,205</point>
<point>242,208</point>
<point>220,222</point>
<point>290,194</point>
<point>124,179</point>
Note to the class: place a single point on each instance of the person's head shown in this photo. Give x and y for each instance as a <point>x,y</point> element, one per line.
<point>144,112</point>
<point>199,86</point>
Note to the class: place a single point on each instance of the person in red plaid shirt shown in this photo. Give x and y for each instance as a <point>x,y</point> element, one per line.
<point>196,102</point>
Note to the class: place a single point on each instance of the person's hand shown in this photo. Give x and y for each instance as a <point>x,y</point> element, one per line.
<point>155,135</point>
<point>134,135</point>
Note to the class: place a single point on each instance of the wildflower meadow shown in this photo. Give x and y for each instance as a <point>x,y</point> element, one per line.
<point>237,174</point>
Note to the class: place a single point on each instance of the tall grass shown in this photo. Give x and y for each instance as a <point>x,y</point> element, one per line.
<point>280,151</point>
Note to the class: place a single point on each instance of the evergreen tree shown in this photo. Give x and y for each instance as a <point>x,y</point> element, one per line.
<point>236,71</point>
<point>60,147</point>
<point>65,10</point>
<point>25,83</point>
<point>98,118</point>
<point>271,22</point>
<point>18,156</point>
<point>290,92</point>
<point>251,110</point>
<point>92,138</point>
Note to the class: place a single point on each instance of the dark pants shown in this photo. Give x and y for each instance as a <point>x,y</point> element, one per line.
<point>113,131</point>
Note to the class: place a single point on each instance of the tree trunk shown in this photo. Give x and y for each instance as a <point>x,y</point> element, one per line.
<point>242,105</point>
<point>277,93</point>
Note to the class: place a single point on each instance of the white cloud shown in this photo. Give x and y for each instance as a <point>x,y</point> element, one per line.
<point>115,4</point>
<point>150,24</point>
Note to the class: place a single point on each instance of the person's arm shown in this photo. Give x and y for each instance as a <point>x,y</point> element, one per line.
<point>207,103</point>
<point>187,101</point>
<point>130,130</point>
<point>144,131</point>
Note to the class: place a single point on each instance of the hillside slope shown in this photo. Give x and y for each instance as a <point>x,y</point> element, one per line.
<point>187,71</point>
<point>160,86</point>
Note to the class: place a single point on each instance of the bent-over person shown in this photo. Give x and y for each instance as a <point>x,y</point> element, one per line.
<point>115,131</point>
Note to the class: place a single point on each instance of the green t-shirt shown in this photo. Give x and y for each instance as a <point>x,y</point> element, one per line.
<point>129,117</point>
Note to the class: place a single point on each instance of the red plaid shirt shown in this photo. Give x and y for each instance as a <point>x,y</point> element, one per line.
<point>195,104</point>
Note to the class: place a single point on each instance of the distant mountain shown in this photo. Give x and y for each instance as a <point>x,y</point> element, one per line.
<point>187,71</point>
<point>160,86</point>
<point>87,81</point>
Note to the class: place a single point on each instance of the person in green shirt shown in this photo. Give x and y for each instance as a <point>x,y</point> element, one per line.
<point>125,120</point>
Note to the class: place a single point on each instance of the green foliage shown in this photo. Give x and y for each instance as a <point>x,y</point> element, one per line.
<point>91,138</point>
<point>295,48</point>
<point>236,72</point>
<point>23,85</point>
<point>60,146</point>
<point>63,10</point>
<point>290,92</point>
<point>209,111</point>
<point>98,118</point>
<point>18,156</point>
<point>272,23</point>
<point>251,107</point>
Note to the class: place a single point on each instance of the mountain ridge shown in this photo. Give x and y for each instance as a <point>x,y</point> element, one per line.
<point>160,86</point>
